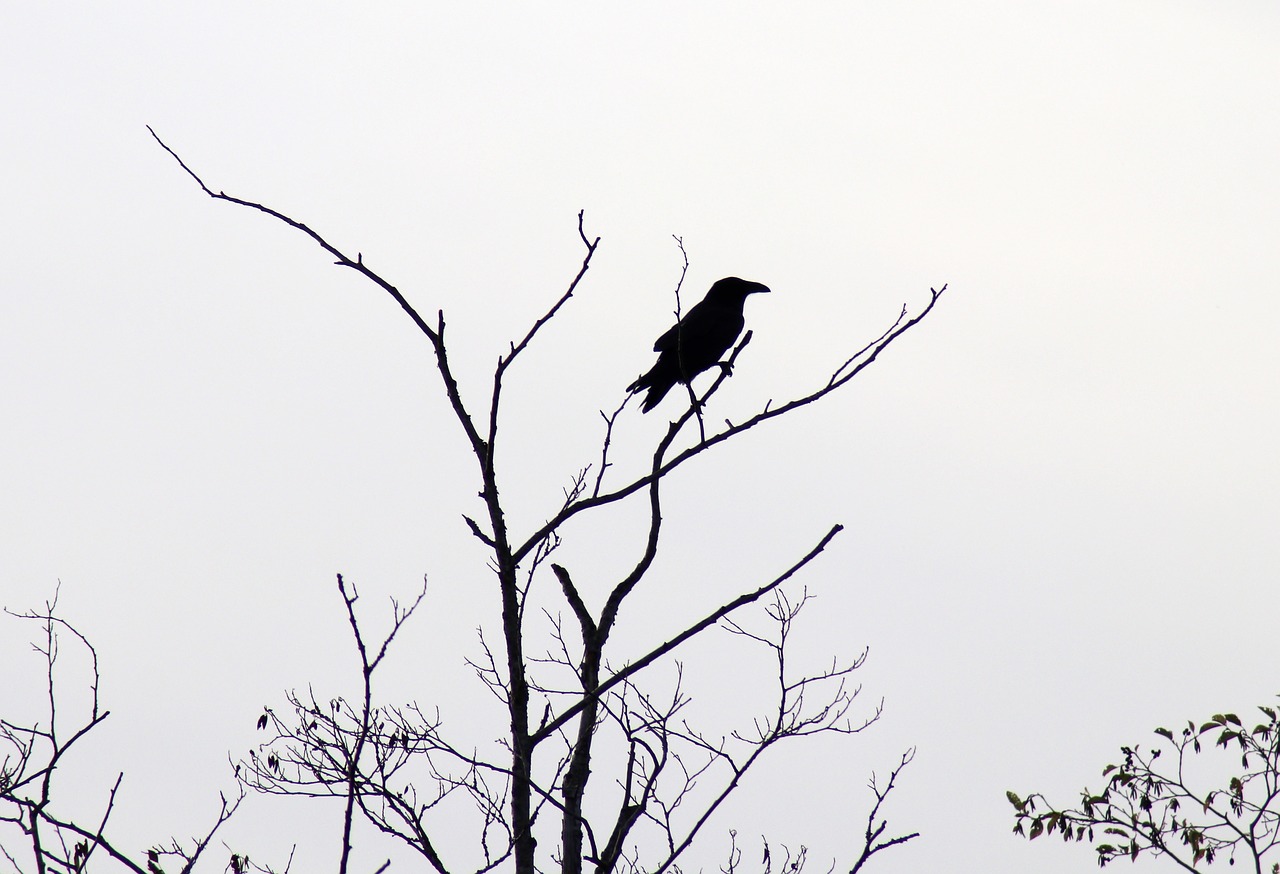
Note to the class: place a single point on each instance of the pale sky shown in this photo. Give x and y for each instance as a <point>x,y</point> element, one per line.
<point>1059,492</point>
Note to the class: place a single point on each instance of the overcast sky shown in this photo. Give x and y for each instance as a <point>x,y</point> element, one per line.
<point>1059,492</point>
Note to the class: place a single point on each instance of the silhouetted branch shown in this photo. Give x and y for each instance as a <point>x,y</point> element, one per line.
<point>353,777</point>
<point>692,631</point>
<point>793,715</point>
<point>769,412</point>
<point>343,260</point>
<point>434,334</point>
<point>1178,810</point>
<point>609,421</point>
<point>34,753</point>
<point>872,841</point>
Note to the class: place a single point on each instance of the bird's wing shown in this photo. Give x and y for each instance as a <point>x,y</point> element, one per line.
<point>667,340</point>
<point>694,327</point>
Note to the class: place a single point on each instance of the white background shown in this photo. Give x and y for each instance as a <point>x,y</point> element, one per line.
<point>1059,492</point>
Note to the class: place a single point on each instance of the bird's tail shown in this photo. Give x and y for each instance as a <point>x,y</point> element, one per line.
<point>657,387</point>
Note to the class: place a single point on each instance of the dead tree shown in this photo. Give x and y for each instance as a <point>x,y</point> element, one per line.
<point>567,706</point>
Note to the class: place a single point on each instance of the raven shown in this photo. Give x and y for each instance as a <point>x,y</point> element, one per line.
<point>704,334</point>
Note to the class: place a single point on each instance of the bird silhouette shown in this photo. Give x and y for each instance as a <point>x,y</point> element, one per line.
<point>698,340</point>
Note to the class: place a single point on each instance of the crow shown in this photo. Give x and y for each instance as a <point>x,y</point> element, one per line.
<point>704,334</point>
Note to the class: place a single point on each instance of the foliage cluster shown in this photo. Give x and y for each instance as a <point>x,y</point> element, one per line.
<point>1183,800</point>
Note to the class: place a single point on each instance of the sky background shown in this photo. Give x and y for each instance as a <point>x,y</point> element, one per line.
<point>1059,492</point>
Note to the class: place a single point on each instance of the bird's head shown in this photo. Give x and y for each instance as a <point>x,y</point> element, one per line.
<point>733,288</point>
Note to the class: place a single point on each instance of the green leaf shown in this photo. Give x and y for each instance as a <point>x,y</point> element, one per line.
<point>1037,829</point>
<point>1164,732</point>
<point>1014,799</point>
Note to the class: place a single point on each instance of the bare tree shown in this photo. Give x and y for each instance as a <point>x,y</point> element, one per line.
<point>558,706</point>
<point>595,763</point>
<point>50,836</point>
<point>1196,805</point>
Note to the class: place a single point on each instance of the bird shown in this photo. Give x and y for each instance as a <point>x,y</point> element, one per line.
<point>698,340</point>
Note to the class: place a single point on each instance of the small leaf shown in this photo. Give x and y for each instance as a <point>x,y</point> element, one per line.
<point>1014,799</point>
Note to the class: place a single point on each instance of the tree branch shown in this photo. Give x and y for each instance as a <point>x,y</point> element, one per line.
<point>764,415</point>
<point>693,630</point>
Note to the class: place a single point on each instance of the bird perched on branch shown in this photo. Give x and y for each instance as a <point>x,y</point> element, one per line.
<point>699,339</point>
